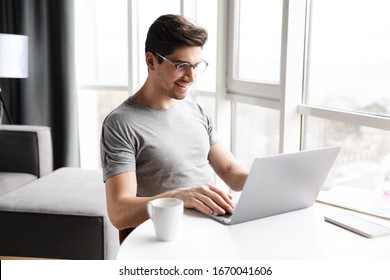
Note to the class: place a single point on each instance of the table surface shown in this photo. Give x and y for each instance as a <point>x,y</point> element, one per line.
<point>301,234</point>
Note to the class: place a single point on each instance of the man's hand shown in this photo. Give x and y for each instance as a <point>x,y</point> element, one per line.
<point>206,198</point>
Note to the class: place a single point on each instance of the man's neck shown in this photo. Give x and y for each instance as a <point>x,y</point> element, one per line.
<point>148,97</point>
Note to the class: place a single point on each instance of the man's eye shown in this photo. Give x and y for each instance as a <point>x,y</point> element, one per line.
<point>182,67</point>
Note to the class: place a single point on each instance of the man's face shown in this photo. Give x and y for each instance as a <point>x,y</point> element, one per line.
<point>172,83</point>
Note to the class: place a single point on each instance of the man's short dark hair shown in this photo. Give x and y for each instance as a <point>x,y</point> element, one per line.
<point>169,32</point>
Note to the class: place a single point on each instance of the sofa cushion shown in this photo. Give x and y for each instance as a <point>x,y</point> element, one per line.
<point>65,208</point>
<point>65,191</point>
<point>26,149</point>
<point>10,181</point>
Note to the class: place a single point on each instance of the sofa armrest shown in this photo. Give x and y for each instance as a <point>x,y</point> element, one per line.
<point>26,149</point>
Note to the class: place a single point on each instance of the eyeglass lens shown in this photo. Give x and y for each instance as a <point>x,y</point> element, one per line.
<point>199,68</point>
<point>181,67</point>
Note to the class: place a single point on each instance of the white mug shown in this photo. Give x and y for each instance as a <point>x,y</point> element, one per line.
<point>166,215</point>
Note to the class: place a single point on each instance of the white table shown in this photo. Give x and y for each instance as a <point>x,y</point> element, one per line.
<point>300,235</point>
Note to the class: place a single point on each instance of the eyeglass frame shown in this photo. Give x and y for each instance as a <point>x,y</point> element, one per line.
<point>193,66</point>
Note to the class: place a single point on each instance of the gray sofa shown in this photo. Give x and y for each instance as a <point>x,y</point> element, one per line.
<point>57,214</point>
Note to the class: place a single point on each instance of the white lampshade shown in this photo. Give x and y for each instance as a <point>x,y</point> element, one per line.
<point>13,56</point>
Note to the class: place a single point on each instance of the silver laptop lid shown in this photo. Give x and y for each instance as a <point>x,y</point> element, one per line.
<point>283,183</point>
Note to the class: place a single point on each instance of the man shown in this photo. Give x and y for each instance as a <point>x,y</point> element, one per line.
<point>159,144</point>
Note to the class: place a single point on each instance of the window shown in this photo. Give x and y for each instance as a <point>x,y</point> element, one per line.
<point>259,41</point>
<point>256,132</point>
<point>254,77</point>
<point>255,48</point>
<point>102,70</point>
<point>101,38</point>
<point>347,89</point>
<point>349,60</point>
<point>364,160</point>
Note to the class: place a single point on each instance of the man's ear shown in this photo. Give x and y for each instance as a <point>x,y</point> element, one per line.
<point>150,60</point>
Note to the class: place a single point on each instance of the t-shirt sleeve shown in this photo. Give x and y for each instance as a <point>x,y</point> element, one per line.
<point>213,135</point>
<point>117,149</point>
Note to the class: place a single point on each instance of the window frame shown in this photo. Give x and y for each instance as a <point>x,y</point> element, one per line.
<point>345,116</point>
<point>285,96</point>
<point>290,96</point>
<point>238,87</point>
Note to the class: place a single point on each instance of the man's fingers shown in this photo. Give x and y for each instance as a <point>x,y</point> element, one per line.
<point>221,194</point>
<point>206,198</point>
<point>215,199</point>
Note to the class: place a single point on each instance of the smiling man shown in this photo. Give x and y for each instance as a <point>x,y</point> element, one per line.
<point>158,143</point>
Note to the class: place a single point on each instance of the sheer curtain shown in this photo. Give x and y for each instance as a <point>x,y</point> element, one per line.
<point>48,95</point>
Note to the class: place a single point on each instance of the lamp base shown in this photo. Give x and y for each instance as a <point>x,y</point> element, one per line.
<point>2,105</point>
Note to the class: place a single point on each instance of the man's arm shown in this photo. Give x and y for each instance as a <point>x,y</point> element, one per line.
<point>227,167</point>
<point>126,210</point>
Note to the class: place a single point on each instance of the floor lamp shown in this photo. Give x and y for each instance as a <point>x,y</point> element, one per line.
<point>13,62</point>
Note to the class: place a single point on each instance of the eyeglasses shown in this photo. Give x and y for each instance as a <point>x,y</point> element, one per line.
<point>185,66</point>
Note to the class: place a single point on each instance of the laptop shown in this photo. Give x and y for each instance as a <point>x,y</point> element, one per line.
<point>281,183</point>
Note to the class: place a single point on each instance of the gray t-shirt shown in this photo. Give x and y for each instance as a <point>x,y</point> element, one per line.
<point>168,148</point>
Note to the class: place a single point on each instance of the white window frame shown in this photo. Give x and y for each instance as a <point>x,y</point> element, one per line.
<point>285,96</point>
<point>270,92</point>
<point>351,117</point>
<point>289,95</point>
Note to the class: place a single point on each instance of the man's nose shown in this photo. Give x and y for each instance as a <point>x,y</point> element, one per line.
<point>190,73</point>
